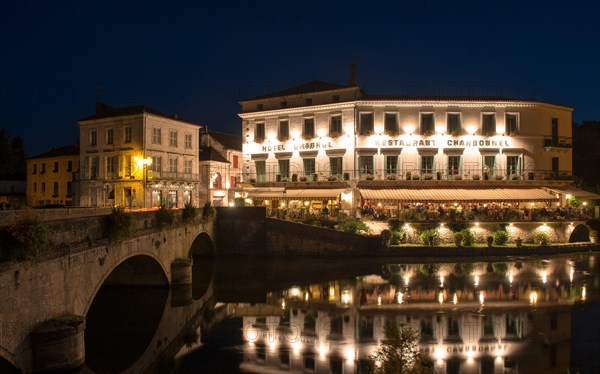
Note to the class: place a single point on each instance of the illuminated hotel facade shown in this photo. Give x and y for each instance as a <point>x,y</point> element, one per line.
<point>321,132</point>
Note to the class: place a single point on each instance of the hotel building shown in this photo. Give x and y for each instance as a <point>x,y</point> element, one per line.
<point>320,139</point>
<point>137,157</point>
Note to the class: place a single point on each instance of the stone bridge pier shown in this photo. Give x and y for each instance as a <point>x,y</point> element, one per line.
<point>45,303</point>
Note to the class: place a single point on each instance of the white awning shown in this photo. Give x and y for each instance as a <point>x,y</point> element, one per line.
<point>265,192</point>
<point>425,195</point>
<point>577,193</point>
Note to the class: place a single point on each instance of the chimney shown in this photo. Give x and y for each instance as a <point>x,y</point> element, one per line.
<point>353,75</point>
<point>102,108</point>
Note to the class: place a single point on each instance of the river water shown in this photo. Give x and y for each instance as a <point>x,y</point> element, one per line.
<point>509,315</point>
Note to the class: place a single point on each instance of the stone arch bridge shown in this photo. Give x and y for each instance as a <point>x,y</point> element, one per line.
<point>44,303</point>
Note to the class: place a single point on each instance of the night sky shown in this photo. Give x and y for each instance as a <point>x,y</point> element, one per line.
<point>198,61</point>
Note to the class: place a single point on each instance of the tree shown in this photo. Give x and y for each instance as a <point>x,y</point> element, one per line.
<point>12,154</point>
<point>399,352</point>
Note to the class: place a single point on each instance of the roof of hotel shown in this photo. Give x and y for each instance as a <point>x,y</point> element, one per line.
<point>110,112</point>
<point>310,87</point>
<point>68,150</point>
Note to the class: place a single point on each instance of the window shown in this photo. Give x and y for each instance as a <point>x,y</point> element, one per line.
<point>554,132</point>
<point>488,124</point>
<point>365,126</point>
<point>112,163</point>
<point>109,136</point>
<point>188,141</point>
<point>34,169</point>
<point>453,165</point>
<point>308,128</point>
<point>335,126</point>
<point>187,166</point>
<point>235,161</point>
<point>427,164</point>
<point>172,138</point>
<point>488,328</point>
<point>365,165</point>
<point>94,164</point>
<point>283,132</point>
<point>309,166</point>
<point>43,186</point>
<point>34,186</point>
<point>69,165</point>
<point>156,136</point>
<point>93,137</point>
<point>54,189</point>
<point>261,170</point>
<point>127,135</point>
<point>284,168</point>
<point>555,168</point>
<point>173,165</point>
<point>489,165</point>
<point>127,165</point>
<point>335,166</point>
<point>453,124</point>
<point>427,124</point>
<point>43,168</point>
<point>512,323</point>
<point>69,189</point>
<point>391,123</point>
<point>512,124</point>
<point>55,168</point>
<point>391,165</point>
<point>259,132</point>
<point>513,166</point>
<point>156,164</point>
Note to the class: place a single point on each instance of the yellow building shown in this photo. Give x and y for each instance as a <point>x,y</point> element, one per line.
<point>50,177</point>
<point>137,157</point>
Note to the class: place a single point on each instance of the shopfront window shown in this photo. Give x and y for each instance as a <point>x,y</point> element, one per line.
<point>157,199</point>
<point>427,164</point>
<point>513,166</point>
<point>489,165</point>
<point>284,168</point>
<point>172,199</point>
<point>335,166</point>
<point>453,165</point>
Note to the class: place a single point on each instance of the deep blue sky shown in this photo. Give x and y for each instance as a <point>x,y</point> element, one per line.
<point>59,57</point>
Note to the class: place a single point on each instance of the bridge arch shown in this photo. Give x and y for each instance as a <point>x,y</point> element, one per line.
<point>125,312</point>
<point>580,234</point>
<point>202,245</point>
<point>200,253</point>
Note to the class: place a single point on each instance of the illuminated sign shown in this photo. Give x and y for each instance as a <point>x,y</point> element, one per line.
<point>468,142</point>
<point>297,146</point>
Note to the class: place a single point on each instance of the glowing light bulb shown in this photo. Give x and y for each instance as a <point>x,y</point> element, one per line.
<point>455,299</point>
<point>544,277</point>
<point>476,280</point>
<point>378,300</point>
<point>510,278</point>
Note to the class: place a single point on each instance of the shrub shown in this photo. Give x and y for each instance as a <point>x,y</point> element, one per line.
<point>541,238</point>
<point>456,226</point>
<point>468,237</point>
<point>398,237</point>
<point>189,213</point>
<point>208,211</point>
<point>353,225</point>
<point>25,239</point>
<point>500,268</point>
<point>386,236</point>
<point>395,224</point>
<point>164,218</point>
<point>500,237</point>
<point>458,238</point>
<point>593,234</point>
<point>429,237</point>
<point>117,225</point>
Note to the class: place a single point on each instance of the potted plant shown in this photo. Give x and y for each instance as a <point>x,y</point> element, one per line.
<point>427,176</point>
<point>369,177</point>
<point>302,178</point>
<point>252,180</point>
<point>332,178</point>
<point>593,236</point>
<point>391,177</point>
<point>498,177</point>
<point>476,177</point>
<point>514,176</point>
<point>490,241</point>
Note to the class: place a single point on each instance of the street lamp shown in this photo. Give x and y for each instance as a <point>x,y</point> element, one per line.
<point>142,164</point>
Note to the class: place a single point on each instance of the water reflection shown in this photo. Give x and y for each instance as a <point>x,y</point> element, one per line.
<point>480,317</point>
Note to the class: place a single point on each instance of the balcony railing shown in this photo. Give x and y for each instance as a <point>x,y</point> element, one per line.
<point>411,174</point>
<point>558,142</point>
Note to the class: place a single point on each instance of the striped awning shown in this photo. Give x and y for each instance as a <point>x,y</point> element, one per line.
<point>317,193</point>
<point>458,194</point>
<point>266,193</point>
